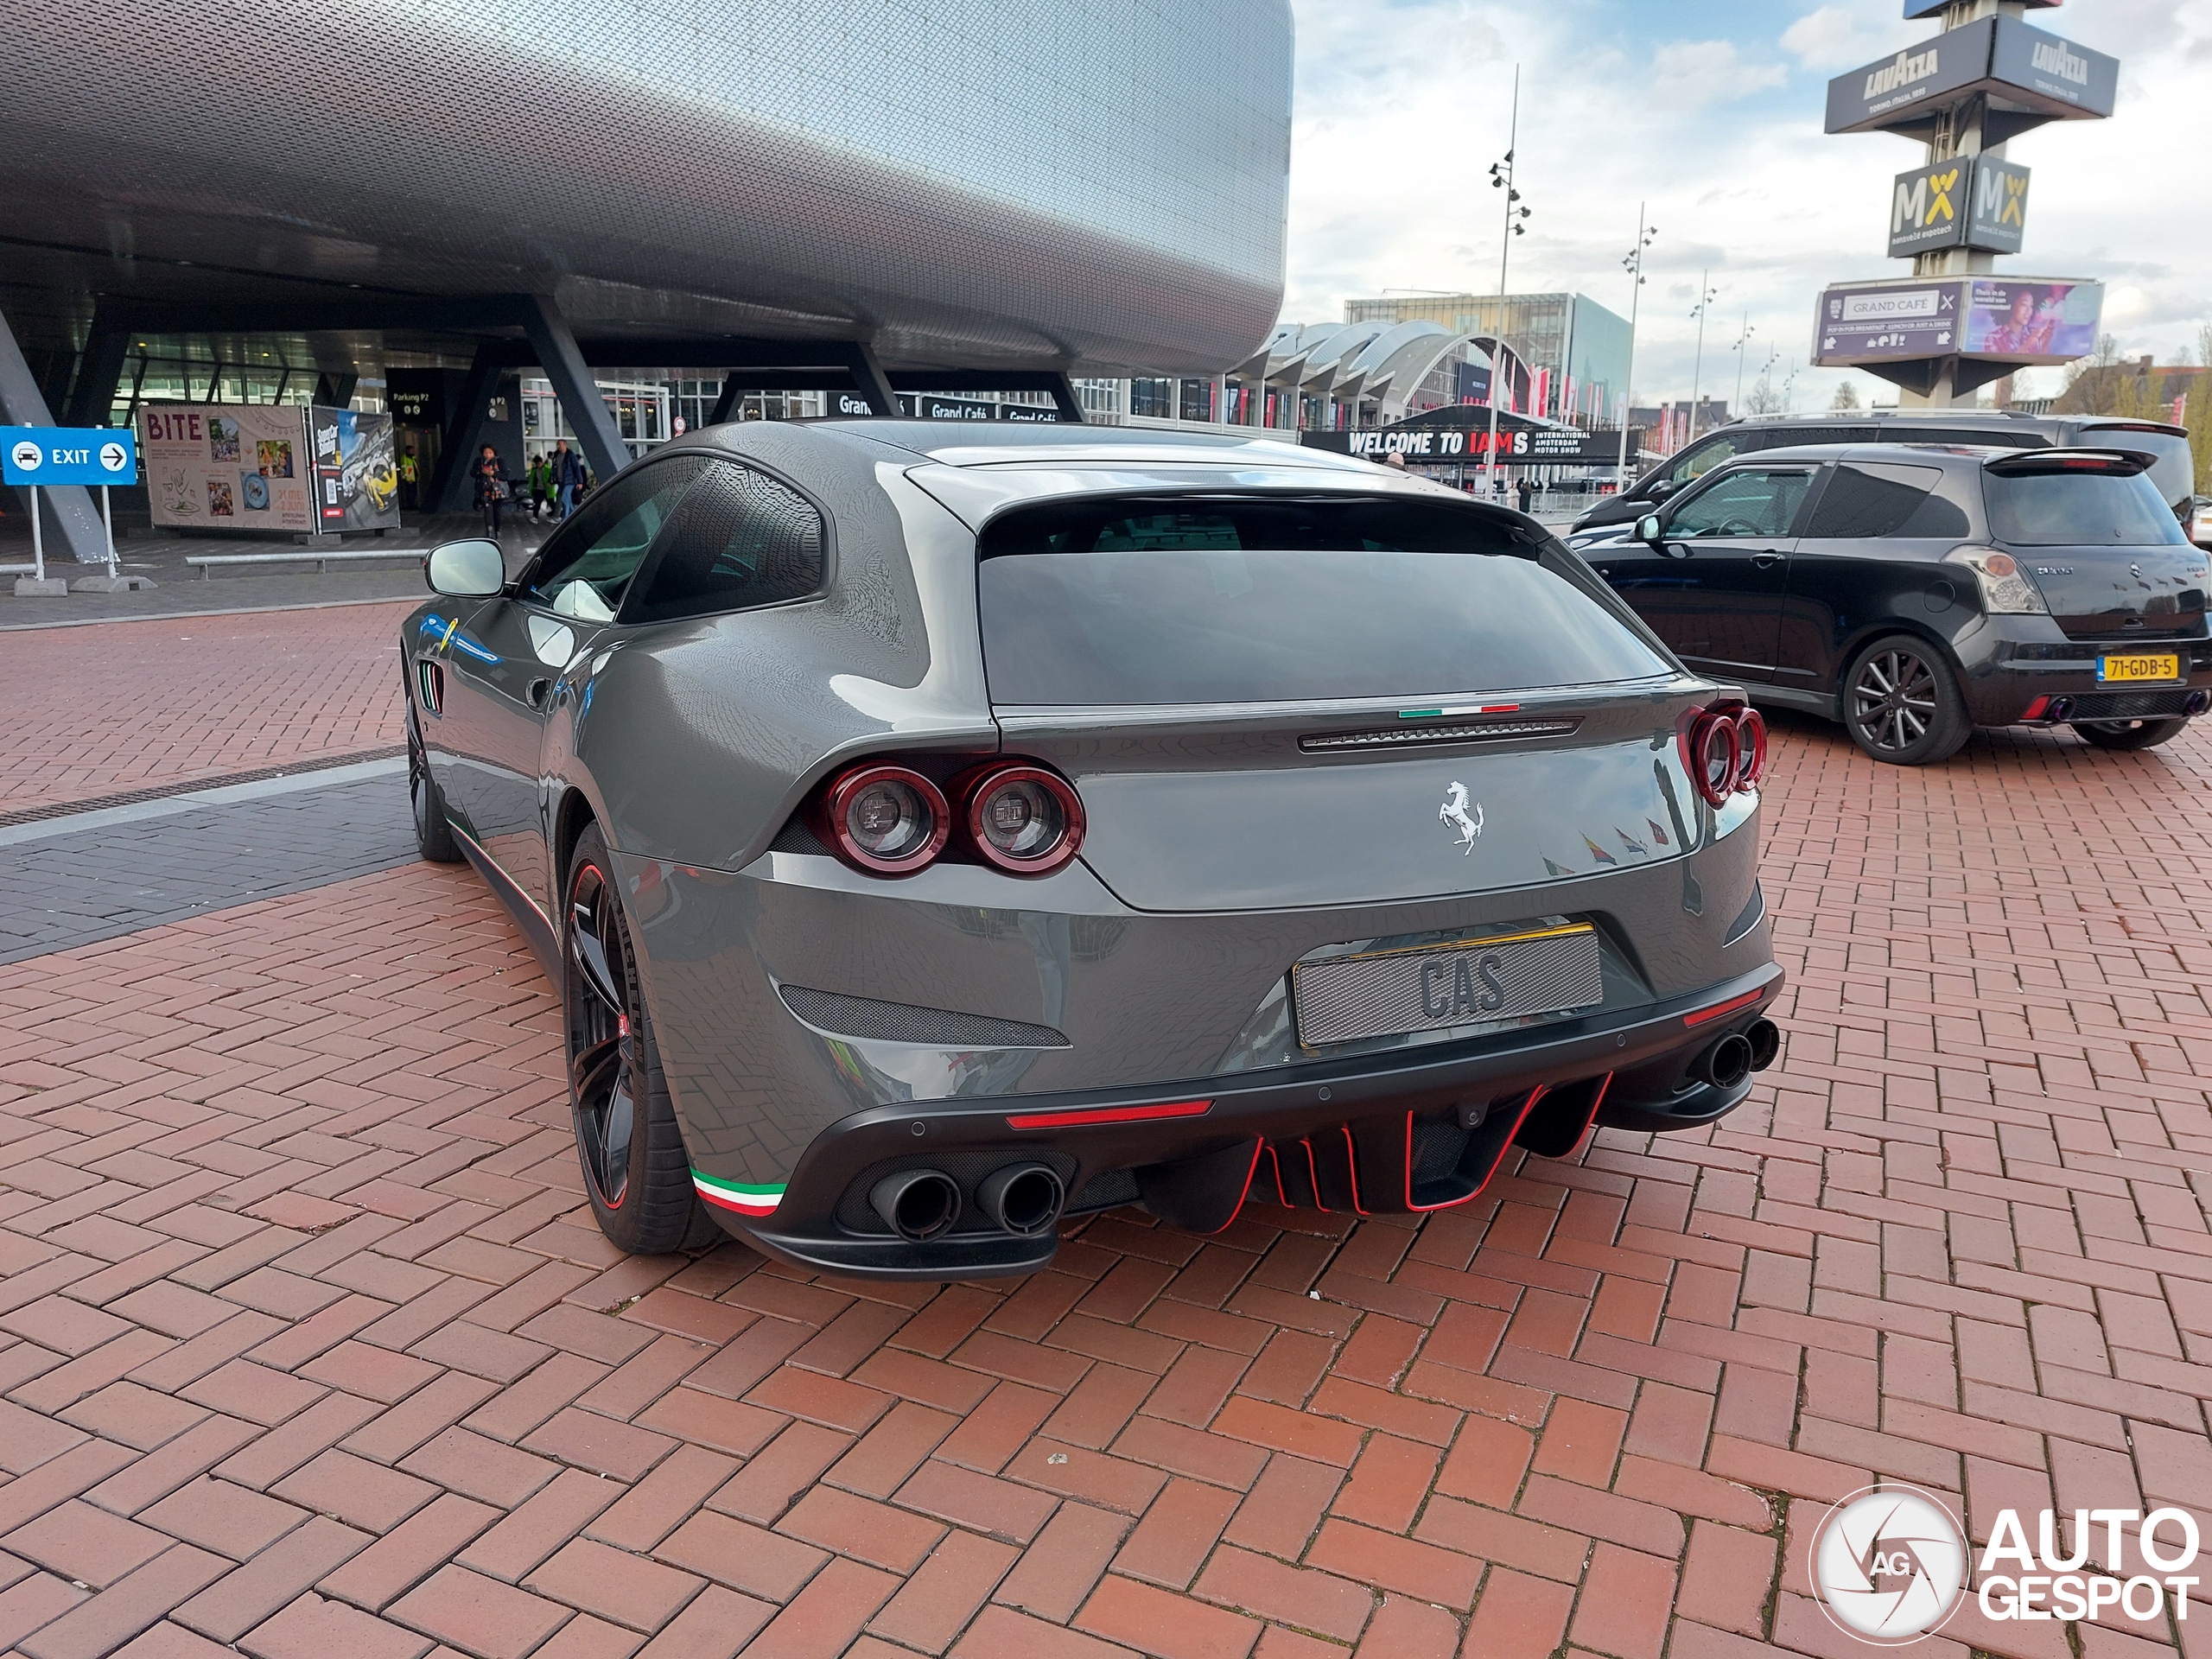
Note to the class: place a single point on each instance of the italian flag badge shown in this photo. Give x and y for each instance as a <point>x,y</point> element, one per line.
<point>744,1198</point>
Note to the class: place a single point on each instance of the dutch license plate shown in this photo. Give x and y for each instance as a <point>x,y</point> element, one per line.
<point>1433,988</point>
<point>2155,666</point>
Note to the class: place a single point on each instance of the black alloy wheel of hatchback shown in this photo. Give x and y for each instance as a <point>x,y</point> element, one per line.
<point>603,1080</point>
<point>1893,699</point>
<point>1901,705</point>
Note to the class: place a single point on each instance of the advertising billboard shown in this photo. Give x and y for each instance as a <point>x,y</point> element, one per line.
<point>356,471</point>
<point>2018,320</point>
<point>1870,323</point>
<point>243,467</point>
<point>2027,68</point>
<point>2033,321</point>
<point>1968,201</point>
<point>1893,90</point>
<point>2060,77</point>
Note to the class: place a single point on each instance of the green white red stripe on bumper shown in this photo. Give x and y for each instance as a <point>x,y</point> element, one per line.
<point>748,1199</point>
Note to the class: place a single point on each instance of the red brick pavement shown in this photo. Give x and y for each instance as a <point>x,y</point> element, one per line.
<point>120,706</point>
<point>305,1346</point>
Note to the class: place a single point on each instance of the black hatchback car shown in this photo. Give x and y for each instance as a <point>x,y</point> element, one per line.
<point>1916,591</point>
<point>2173,469</point>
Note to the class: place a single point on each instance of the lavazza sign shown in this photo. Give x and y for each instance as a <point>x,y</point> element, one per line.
<point>1907,69</point>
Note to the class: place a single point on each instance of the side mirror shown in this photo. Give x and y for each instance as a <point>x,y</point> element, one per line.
<point>1660,489</point>
<point>1647,528</point>
<point>471,570</point>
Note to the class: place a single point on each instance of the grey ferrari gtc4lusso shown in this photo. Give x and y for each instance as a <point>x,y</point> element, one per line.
<point>936,833</point>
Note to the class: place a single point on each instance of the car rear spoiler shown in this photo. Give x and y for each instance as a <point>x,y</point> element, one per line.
<point>2124,463</point>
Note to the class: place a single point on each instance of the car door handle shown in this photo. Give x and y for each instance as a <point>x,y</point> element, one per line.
<point>1765,561</point>
<point>537,692</point>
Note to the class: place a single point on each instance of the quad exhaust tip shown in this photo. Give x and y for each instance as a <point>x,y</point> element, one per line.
<point>1024,1199</point>
<point>1725,1062</point>
<point>919,1205</point>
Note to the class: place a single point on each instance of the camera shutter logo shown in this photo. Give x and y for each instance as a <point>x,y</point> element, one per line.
<point>1889,1564</point>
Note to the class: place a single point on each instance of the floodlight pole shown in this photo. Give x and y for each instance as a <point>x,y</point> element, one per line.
<point>1697,371</point>
<point>1635,263</point>
<point>1505,249</point>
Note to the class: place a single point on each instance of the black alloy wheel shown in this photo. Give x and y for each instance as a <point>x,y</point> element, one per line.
<point>636,1171</point>
<point>2128,734</point>
<point>1901,705</point>
<point>433,835</point>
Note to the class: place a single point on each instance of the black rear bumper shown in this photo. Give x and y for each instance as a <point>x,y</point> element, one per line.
<point>1370,1134</point>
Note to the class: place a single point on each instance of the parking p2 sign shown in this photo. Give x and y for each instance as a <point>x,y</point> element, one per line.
<point>68,455</point>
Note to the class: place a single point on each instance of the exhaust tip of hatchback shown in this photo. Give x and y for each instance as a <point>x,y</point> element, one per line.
<point>1765,1039</point>
<point>1725,1062</point>
<point>1023,1199</point>
<point>918,1204</point>
<point>2196,702</point>
<point>2060,710</point>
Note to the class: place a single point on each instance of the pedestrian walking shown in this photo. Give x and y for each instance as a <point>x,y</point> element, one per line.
<point>1526,490</point>
<point>568,479</point>
<point>492,488</point>
<point>541,487</point>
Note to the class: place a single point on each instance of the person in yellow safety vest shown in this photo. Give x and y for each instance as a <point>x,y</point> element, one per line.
<point>407,479</point>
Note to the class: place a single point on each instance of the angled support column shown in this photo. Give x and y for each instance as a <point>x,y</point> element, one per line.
<point>449,488</point>
<point>1064,400</point>
<point>869,379</point>
<point>100,370</point>
<point>563,363</point>
<point>727,402</point>
<point>335,390</point>
<point>66,510</point>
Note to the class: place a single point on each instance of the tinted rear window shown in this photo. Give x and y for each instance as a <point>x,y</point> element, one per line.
<point>1112,604</point>
<point>1874,499</point>
<point>2061,509</point>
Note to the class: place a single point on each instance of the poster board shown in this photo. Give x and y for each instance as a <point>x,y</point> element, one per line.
<point>356,471</point>
<point>241,468</point>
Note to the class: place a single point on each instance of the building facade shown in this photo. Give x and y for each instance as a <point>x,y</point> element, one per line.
<point>1580,347</point>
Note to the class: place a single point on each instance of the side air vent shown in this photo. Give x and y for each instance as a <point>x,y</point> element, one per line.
<point>1398,737</point>
<point>901,1022</point>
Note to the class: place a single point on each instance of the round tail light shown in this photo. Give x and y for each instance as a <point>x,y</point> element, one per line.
<point>1715,757</point>
<point>1024,820</point>
<point>886,820</point>
<point>1750,750</point>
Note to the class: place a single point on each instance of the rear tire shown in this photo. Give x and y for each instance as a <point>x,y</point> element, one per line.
<point>636,1171</point>
<point>1901,702</point>
<point>2128,734</point>
<point>433,835</point>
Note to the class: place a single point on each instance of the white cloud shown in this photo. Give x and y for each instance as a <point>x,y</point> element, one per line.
<point>1835,38</point>
<point>1402,107</point>
<point>1691,73</point>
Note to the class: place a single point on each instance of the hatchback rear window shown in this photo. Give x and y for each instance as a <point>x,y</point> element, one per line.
<point>1112,604</point>
<point>2078,509</point>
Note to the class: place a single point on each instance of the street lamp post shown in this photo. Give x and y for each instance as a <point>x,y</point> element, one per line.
<point>1501,178</point>
<point>1634,265</point>
<point>1705,293</point>
<point>1737,407</point>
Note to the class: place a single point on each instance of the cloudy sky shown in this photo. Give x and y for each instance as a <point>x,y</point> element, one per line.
<point>1710,111</point>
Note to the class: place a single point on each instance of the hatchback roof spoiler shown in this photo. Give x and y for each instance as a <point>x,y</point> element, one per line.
<point>2124,463</point>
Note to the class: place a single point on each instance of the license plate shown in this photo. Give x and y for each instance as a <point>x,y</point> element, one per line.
<point>1432,987</point>
<point>2157,666</point>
